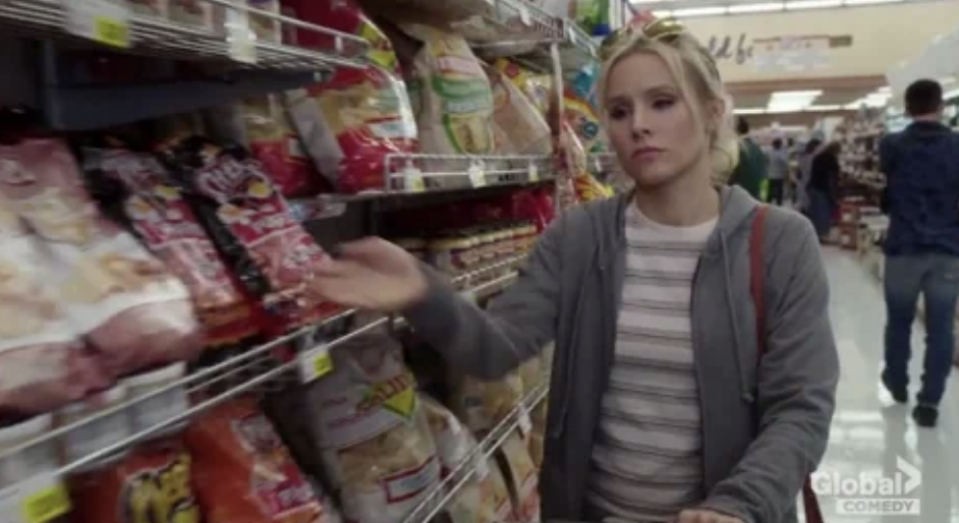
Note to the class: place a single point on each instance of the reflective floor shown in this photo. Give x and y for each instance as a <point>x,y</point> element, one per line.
<point>871,436</point>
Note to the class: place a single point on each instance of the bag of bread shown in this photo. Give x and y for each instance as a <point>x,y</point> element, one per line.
<point>522,476</point>
<point>483,404</point>
<point>485,498</point>
<point>537,87</point>
<point>43,364</point>
<point>130,308</point>
<point>376,443</point>
<point>520,127</point>
<point>244,474</point>
<point>154,207</point>
<point>455,114</point>
<point>253,225</point>
<point>152,483</point>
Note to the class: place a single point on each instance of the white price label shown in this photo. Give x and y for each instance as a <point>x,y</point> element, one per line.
<point>239,36</point>
<point>39,499</point>
<point>533,172</point>
<point>315,363</point>
<point>482,467</point>
<point>103,21</point>
<point>524,15</point>
<point>477,174</point>
<point>525,422</point>
<point>413,180</point>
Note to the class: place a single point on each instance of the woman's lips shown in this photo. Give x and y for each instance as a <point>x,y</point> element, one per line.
<point>646,154</point>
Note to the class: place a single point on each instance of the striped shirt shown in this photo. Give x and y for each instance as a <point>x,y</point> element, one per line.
<point>647,462</point>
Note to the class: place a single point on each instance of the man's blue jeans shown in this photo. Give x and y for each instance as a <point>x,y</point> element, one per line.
<point>936,277</point>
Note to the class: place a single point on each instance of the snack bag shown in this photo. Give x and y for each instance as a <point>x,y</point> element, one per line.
<point>43,364</point>
<point>275,143</point>
<point>155,208</point>
<point>152,483</point>
<point>485,498</point>
<point>481,404</point>
<point>376,442</point>
<point>344,16</point>
<point>253,224</point>
<point>523,478</point>
<point>588,188</point>
<point>350,124</point>
<point>536,87</point>
<point>456,100</point>
<point>265,28</point>
<point>130,308</point>
<point>242,471</point>
<point>582,118</point>
<point>520,127</point>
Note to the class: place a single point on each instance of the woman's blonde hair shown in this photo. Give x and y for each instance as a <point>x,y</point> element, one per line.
<point>698,78</point>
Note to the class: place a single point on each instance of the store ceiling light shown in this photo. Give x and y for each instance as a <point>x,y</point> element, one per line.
<point>871,2</point>
<point>812,4</point>
<point>662,14</point>
<point>784,95</point>
<point>756,8</point>
<point>699,11</point>
<point>824,108</point>
<point>749,110</point>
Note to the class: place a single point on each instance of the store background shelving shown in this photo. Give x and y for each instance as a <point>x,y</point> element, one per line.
<point>233,65</point>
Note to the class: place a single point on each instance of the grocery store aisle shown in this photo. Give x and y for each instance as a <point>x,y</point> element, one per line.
<point>869,431</point>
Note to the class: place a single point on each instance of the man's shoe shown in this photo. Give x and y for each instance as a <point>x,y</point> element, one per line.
<point>899,394</point>
<point>925,415</point>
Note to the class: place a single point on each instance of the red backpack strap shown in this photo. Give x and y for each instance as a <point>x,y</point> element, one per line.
<point>757,273</point>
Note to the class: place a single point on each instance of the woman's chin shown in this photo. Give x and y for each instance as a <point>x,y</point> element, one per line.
<point>653,178</point>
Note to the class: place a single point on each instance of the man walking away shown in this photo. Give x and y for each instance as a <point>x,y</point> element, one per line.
<point>751,169</point>
<point>778,171</point>
<point>921,165</point>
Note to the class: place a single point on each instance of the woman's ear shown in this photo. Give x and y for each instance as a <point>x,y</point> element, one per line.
<point>716,113</point>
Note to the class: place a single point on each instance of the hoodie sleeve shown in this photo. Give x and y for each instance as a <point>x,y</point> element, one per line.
<point>518,324</point>
<point>797,382</point>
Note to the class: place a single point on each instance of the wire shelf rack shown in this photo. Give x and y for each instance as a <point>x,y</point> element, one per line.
<point>269,367</point>
<point>415,173</point>
<point>164,38</point>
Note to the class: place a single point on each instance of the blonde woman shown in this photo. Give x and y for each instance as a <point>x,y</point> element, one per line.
<point>661,408</point>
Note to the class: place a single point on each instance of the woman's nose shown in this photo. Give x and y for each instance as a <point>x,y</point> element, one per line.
<point>640,125</point>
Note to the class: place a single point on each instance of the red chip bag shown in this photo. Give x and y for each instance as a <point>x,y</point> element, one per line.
<point>242,471</point>
<point>151,484</point>
<point>253,223</point>
<point>344,16</point>
<point>132,311</point>
<point>166,224</point>
<point>351,123</point>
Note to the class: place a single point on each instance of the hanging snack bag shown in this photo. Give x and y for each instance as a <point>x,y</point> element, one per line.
<point>344,16</point>
<point>130,308</point>
<point>352,123</point>
<point>536,87</point>
<point>165,223</point>
<point>456,101</point>
<point>375,440</point>
<point>584,122</point>
<point>43,365</point>
<point>242,471</point>
<point>485,498</point>
<point>252,223</point>
<point>523,479</point>
<point>483,404</point>
<point>520,127</point>
<point>152,483</point>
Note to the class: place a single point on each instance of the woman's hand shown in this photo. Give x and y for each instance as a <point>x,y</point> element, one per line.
<point>371,274</point>
<point>705,516</point>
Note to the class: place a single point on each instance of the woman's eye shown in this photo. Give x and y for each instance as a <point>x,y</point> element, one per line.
<point>663,103</point>
<point>618,113</point>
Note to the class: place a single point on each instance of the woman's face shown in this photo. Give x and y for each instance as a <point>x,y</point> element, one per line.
<point>651,127</point>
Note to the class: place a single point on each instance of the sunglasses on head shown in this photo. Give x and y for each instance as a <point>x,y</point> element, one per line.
<point>665,30</point>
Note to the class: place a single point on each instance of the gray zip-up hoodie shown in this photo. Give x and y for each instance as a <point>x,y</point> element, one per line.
<point>765,424</point>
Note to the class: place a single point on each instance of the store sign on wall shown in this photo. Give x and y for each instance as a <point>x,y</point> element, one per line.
<point>792,53</point>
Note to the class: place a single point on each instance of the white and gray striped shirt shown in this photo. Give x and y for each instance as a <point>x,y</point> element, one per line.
<point>647,461</point>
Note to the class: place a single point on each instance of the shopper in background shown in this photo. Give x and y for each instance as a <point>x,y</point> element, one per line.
<point>805,173</point>
<point>659,409</point>
<point>778,171</point>
<point>750,171</point>
<point>921,165</point>
<point>823,189</point>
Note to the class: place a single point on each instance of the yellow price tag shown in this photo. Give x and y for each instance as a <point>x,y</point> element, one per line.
<point>322,364</point>
<point>46,504</point>
<point>477,175</point>
<point>413,180</point>
<point>111,32</point>
<point>315,363</point>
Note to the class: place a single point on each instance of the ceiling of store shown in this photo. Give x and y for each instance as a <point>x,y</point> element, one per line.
<point>835,93</point>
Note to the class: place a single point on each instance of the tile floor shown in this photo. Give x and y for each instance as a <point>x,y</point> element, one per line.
<point>869,431</point>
